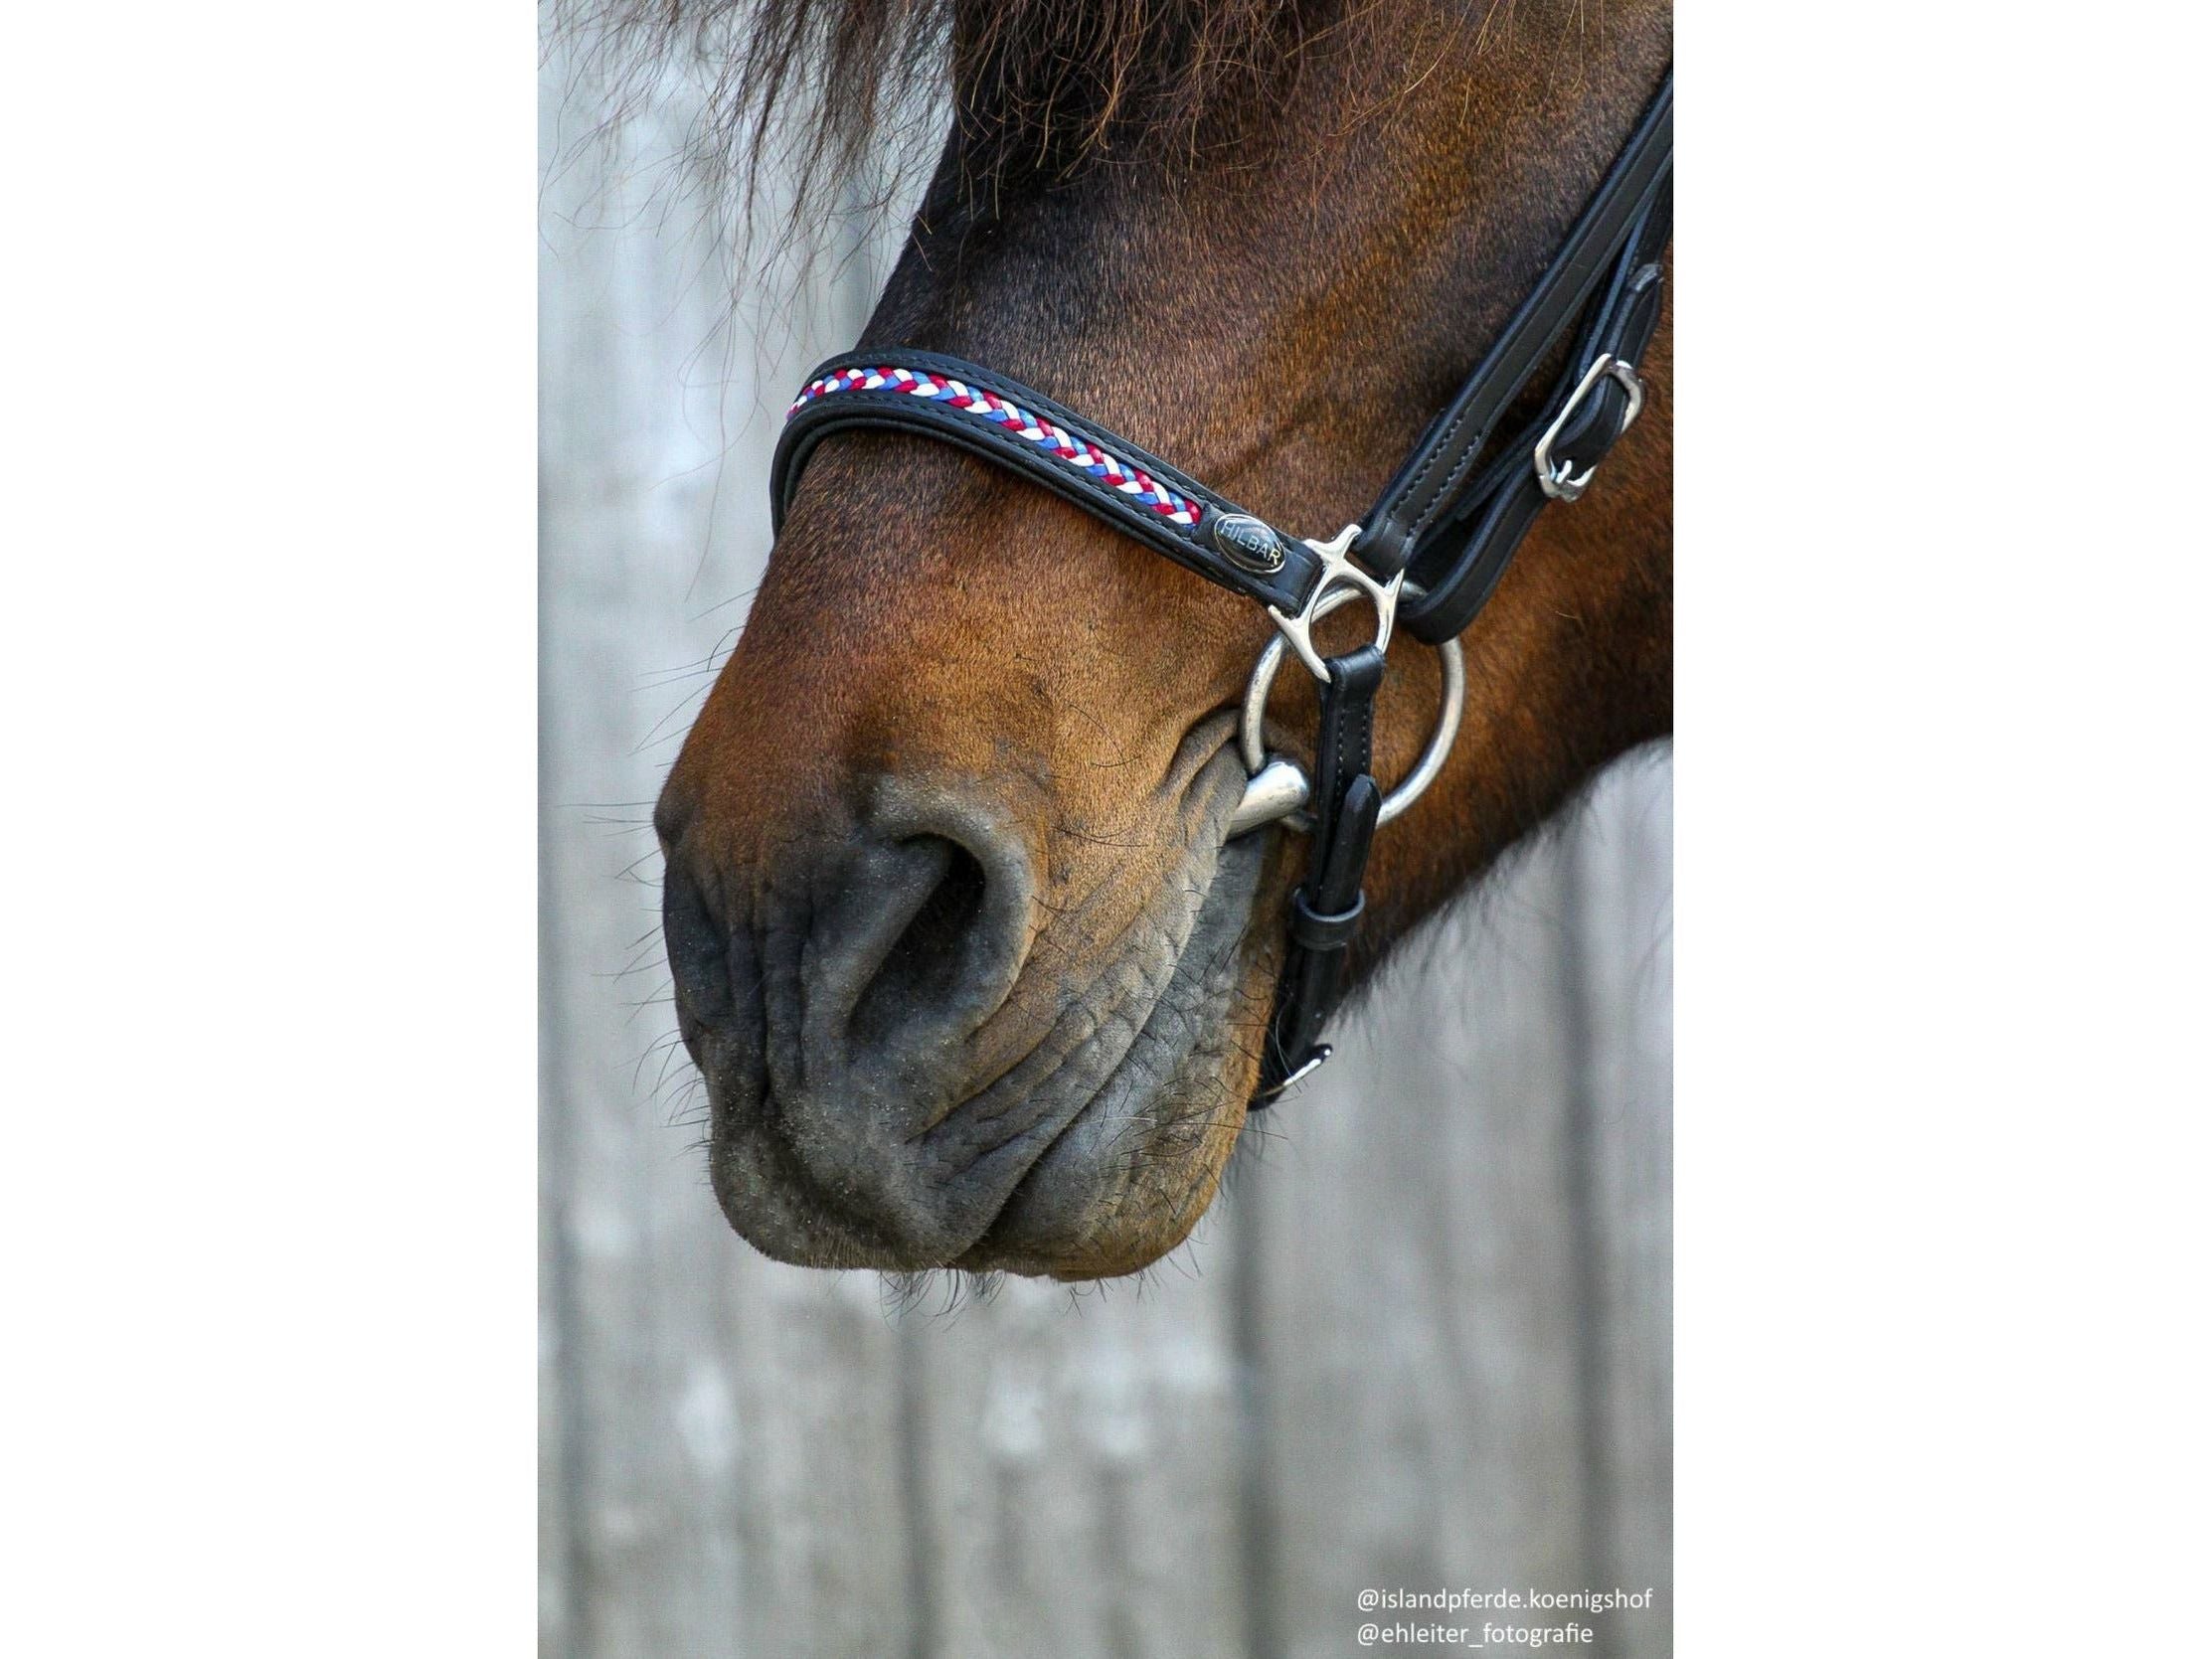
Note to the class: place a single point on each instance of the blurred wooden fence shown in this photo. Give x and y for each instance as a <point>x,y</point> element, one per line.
<point>1423,1342</point>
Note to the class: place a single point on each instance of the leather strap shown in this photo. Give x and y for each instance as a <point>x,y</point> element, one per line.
<point>1020,428</point>
<point>1325,910</point>
<point>1429,481</point>
<point>1467,547</point>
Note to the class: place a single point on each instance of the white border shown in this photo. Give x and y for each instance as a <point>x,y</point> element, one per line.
<point>1940,900</point>
<point>267,667</point>
<point>268,628</point>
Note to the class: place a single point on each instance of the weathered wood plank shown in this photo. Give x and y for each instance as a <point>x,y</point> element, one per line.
<point>1623,863</point>
<point>725,1433</point>
<point>1460,1336</point>
<point>1082,1457</point>
<point>1414,1271</point>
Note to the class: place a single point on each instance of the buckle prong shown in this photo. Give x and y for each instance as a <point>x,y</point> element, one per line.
<point>1557,478</point>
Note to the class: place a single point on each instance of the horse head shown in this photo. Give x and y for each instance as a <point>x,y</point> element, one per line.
<point>973,969</point>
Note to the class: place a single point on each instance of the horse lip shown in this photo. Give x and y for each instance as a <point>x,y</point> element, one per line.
<point>956,1197</point>
<point>1159,1062</point>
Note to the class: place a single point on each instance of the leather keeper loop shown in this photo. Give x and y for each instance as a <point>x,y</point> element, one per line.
<point>1316,931</point>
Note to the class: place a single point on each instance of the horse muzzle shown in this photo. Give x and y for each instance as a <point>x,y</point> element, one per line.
<point>916,1057</point>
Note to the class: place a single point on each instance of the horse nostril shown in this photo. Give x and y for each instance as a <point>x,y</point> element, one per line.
<point>936,952</point>
<point>698,944</point>
<point>833,960</point>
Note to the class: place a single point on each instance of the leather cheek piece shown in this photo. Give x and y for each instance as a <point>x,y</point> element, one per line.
<point>1325,911</point>
<point>1605,243</point>
<point>1465,551</point>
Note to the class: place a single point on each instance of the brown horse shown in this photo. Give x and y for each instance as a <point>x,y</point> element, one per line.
<point>973,973</point>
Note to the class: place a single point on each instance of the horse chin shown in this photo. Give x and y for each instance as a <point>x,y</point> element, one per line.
<point>1078,1162</point>
<point>1125,1180</point>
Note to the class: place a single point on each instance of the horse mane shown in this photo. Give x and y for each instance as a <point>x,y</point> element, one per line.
<point>1047,86</point>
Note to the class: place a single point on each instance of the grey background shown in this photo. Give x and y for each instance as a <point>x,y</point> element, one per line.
<point>1422,1342</point>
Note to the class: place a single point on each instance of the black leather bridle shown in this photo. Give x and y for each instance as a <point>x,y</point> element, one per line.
<point>1428,554</point>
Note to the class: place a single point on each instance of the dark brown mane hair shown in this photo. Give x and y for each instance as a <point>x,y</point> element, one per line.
<point>1037,87</point>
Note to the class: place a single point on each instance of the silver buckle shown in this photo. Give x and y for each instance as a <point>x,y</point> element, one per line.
<point>1557,478</point>
<point>1338,573</point>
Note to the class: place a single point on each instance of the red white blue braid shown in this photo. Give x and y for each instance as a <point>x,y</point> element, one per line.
<point>1079,452</point>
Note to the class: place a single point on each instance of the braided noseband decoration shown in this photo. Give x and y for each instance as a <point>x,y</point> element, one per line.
<point>1079,452</point>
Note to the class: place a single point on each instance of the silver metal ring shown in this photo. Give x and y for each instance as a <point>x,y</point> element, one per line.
<point>1277,787</point>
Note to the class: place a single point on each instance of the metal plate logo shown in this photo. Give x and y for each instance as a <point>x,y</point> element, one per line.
<point>1248,544</point>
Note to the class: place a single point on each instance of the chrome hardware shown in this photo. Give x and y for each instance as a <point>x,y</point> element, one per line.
<point>1318,1059</point>
<point>1339,575</point>
<point>1250,544</point>
<point>1277,789</point>
<point>1277,786</point>
<point>1557,478</point>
